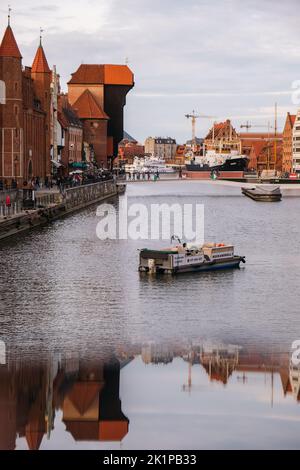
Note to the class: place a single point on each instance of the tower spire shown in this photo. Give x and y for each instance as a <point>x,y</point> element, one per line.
<point>41,36</point>
<point>9,14</point>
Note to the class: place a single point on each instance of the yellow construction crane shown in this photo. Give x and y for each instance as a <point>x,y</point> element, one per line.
<point>193,116</point>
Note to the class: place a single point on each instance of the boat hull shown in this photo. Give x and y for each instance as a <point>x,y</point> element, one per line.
<point>230,263</point>
<point>259,197</point>
<point>234,164</point>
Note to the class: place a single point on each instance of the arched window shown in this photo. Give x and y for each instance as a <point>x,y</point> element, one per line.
<point>2,92</point>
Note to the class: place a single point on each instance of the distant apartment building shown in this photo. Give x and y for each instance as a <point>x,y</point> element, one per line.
<point>296,144</point>
<point>287,152</point>
<point>162,147</point>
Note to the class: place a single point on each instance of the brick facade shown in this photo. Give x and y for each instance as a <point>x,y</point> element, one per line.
<point>287,150</point>
<point>22,118</point>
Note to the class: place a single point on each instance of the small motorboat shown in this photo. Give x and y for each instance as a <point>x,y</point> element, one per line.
<point>263,193</point>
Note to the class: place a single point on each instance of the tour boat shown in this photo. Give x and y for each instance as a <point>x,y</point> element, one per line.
<point>185,258</point>
<point>263,193</point>
<point>148,165</point>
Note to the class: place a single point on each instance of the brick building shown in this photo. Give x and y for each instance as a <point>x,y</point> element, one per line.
<point>24,118</point>
<point>263,158</point>
<point>98,95</point>
<point>130,148</point>
<point>41,130</point>
<point>71,151</point>
<point>222,136</point>
<point>260,148</point>
<point>287,151</point>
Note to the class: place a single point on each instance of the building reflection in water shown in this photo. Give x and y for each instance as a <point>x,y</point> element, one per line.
<point>220,362</point>
<point>86,391</point>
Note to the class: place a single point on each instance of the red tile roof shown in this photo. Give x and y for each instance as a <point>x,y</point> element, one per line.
<point>259,135</point>
<point>83,395</point>
<point>9,46</point>
<point>90,74</point>
<point>40,64</point>
<point>87,107</point>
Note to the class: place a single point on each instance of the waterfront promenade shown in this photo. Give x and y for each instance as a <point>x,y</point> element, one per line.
<point>53,204</point>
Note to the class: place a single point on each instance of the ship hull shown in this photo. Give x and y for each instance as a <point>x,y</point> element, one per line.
<point>262,197</point>
<point>234,164</point>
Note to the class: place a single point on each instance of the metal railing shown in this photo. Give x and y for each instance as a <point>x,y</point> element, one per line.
<point>14,209</point>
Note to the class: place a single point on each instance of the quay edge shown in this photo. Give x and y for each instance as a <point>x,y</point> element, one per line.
<point>75,199</point>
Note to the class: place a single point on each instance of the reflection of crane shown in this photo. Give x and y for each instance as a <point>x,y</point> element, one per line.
<point>193,116</point>
<point>187,388</point>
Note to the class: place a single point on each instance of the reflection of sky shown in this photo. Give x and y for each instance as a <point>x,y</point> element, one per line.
<point>163,416</point>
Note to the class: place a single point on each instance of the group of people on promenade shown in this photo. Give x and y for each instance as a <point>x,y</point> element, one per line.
<point>136,176</point>
<point>57,182</point>
<point>147,176</point>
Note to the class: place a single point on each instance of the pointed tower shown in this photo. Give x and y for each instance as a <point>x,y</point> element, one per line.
<point>42,77</point>
<point>11,113</point>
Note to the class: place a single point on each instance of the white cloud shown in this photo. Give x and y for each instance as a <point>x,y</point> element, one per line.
<point>222,57</point>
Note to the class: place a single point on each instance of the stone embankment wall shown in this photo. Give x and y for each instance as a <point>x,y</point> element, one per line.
<point>54,206</point>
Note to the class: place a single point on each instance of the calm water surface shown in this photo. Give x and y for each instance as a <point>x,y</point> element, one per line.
<point>95,356</point>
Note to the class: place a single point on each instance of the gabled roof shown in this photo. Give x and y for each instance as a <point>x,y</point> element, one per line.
<point>83,394</point>
<point>34,439</point>
<point>71,117</point>
<point>128,137</point>
<point>87,107</point>
<point>40,64</point>
<point>9,46</point>
<point>291,118</point>
<point>100,74</point>
<point>218,127</point>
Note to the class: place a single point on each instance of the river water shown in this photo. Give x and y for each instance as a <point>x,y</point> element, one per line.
<point>94,355</point>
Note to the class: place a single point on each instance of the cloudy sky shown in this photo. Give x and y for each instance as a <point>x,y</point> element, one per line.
<point>223,58</point>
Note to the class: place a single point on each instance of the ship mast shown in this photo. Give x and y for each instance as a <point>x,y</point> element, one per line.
<point>275,139</point>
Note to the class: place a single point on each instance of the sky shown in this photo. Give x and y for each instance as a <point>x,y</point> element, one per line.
<point>223,58</point>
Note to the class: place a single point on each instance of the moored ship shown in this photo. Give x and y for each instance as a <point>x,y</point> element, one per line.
<point>214,161</point>
<point>186,258</point>
<point>149,165</point>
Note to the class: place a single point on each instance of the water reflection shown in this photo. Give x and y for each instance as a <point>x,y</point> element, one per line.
<point>86,392</point>
<point>63,394</point>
